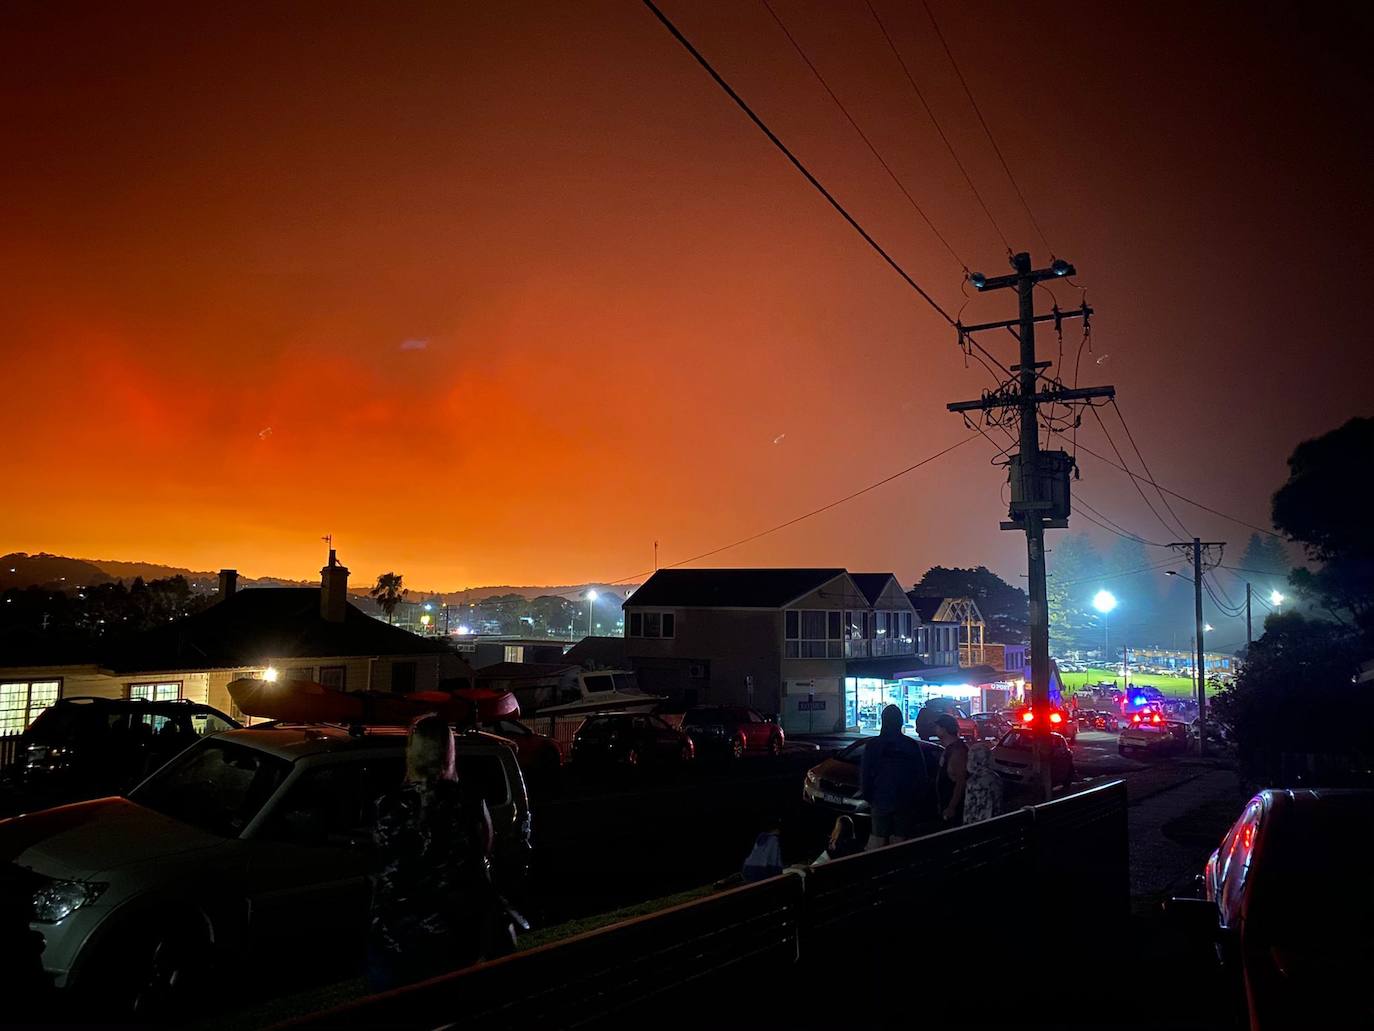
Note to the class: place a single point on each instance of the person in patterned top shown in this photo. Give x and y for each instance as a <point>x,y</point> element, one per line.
<point>433,898</point>
<point>983,789</point>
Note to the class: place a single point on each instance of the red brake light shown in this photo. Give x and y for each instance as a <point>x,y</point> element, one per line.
<point>1135,718</point>
<point>1027,716</point>
<point>1056,718</point>
<point>1156,719</point>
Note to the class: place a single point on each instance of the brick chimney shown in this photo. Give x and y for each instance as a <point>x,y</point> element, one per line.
<point>334,590</point>
<point>228,582</point>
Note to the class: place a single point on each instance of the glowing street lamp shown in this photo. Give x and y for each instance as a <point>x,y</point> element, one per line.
<point>1104,601</point>
<point>1275,598</point>
<point>591,597</point>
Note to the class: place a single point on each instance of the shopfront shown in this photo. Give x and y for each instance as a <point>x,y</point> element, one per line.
<point>866,697</point>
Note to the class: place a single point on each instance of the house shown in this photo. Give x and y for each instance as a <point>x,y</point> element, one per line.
<point>484,650</point>
<point>305,633</point>
<point>816,646</point>
<point>937,634</point>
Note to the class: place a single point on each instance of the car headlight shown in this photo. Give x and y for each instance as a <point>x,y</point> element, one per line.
<point>57,900</point>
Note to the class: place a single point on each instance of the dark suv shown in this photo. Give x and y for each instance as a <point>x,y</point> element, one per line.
<point>732,729</point>
<point>87,747</point>
<point>630,739</point>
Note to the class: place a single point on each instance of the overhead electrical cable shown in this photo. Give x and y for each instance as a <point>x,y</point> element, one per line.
<point>796,162</point>
<point>1080,502</point>
<point>806,515</point>
<point>864,136</point>
<point>936,122</point>
<point>1176,495</point>
<point>984,122</point>
<point>1134,482</point>
<point>1144,465</point>
<point>1111,576</point>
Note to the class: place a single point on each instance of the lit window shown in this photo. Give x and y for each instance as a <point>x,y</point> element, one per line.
<point>167,692</point>
<point>813,634</point>
<point>21,702</point>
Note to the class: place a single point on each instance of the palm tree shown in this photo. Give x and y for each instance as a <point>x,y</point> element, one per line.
<point>388,592</point>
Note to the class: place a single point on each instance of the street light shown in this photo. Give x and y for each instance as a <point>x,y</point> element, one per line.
<point>591,597</point>
<point>1104,601</point>
<point>1275,598</point>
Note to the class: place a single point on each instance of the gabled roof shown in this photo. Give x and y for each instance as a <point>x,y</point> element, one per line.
<point>872,585</point>
<point>926,608</point>
<point>264,622</point>
<point>728,588</point>
<point>598,653</point>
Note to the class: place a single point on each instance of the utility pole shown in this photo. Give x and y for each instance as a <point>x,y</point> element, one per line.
<point>1039,481</point>
<point>1249,633</point>
<point>1196,546</point>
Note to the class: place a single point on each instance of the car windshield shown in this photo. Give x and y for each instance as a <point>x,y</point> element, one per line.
<point>703,717</point>
<point>217,785</point>
<point>1020,739</point>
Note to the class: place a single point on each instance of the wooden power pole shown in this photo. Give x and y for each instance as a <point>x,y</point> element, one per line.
<point>1198,548</point>
<point>1039,480</point>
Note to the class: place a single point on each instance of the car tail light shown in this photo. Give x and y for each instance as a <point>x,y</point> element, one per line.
<point>1155,719</point>
<point>1135,718</point>
<point>1027,716</point>
<point>1056,718</point>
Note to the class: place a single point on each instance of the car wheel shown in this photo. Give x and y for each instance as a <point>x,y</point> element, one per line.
<point>737,748</point>
<point>153,973</point>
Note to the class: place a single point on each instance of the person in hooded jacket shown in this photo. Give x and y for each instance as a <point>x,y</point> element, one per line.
<point>892,775</point>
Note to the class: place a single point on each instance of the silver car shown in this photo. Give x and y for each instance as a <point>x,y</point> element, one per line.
<point>249,848</point>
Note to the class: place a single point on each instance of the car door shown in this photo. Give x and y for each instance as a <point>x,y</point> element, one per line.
<point>310,856</point>
<point>667,745</point>
<point>754,729</point>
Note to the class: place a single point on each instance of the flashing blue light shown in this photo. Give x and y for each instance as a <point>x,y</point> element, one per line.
<point>1138,700</point>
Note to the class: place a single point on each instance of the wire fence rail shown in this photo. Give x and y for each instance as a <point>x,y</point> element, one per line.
<point>809,948</point>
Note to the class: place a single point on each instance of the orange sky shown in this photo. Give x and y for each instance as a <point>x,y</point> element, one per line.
<point>503,295</point>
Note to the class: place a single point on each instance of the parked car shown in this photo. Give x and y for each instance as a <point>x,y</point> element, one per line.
<point>630,739</point>
<point>538,756</point>
<point>925,719</point>
<point>1085,718</point>
<point>1012,757</point>
<point>1288,911</point>
<point>1107,720</point>
<point>734,730</point>
<point>82,748</point>
<point>248,853</point>
<point>991,725</point>
<point>1061,721</point>
<point>1150,732</point>
<point>834,783</point>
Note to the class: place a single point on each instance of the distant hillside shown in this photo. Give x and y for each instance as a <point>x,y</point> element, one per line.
<point>56,571</point>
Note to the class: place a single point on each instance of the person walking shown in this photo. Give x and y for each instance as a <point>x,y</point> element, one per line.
<point>433,903</point>
<point>953,776</point>
<point>892,775</point>
<point>983,789</point>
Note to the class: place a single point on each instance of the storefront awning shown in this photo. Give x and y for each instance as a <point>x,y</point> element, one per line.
<point>890,667</point>
<point>965,675</point>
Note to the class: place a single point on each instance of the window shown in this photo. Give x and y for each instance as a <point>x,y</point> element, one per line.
<point>652,622</point>
<point>299,673</point>
<point>812,634</point>
<point>515,653</point>
<point>906,626</point>
<point>402,677</point>
<point>334,805</point>
<point>669,622</point>
<point>22,701</point>
<point>168,691</point>
<point>923,640</point>
<point>487,775</point>
<point>334,677</point>
<point>636,624</point>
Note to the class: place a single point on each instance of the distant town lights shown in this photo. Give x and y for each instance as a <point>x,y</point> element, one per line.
<point>1104,601</point>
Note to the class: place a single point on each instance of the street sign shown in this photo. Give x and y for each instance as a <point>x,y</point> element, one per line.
<point>811,705</point>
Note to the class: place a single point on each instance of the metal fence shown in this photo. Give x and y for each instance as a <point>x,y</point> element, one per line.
<point>9,749</point>
<point>876,935</point>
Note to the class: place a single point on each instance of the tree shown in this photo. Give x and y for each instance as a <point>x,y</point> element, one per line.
<point>1325,507</point>
<point>388,592</point>
<point>1073,563</point>
<point>1006,608</point>
<point>1298,669</point>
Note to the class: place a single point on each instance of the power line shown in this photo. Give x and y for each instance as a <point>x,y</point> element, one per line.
<point>1144,465</point>
<point>1117,451</point>
<point>984,122</point>
<point>1079,501</point>
<point>1177,495</point>
<point>864,136</point>
<point>1113,576</point>
<point>1257,572</point>
<point>796,162</point>
<point>807,515</point>
<point>936,122</point>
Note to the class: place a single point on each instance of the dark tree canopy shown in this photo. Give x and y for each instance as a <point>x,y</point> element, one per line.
<point>1006,608</point>
<point>1325,506</point>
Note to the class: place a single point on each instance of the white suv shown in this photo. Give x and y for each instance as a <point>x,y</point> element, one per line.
<point>252,846</point>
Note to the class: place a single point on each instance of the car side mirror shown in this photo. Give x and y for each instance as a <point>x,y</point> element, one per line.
<point>1196,919</point>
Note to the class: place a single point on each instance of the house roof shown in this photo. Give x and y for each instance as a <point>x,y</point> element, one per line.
<point>598,653</point>
<point>251,626</point>
<point>872,585</point>
<point>728,588</point>
<point>523,670</point>
<point>926,608</point>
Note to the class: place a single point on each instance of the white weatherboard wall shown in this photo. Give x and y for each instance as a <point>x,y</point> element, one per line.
<point>812,706</point>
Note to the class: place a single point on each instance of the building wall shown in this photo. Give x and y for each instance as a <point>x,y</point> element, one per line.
<point>711,656</point>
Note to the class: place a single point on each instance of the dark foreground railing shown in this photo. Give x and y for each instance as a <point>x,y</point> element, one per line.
<point>901,929</point>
